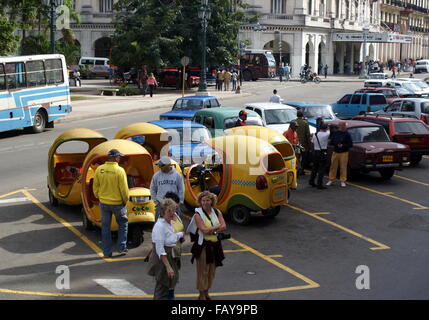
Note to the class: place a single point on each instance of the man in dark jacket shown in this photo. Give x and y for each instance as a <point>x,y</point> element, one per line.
<point>342,142</point>
<point>303,131</point>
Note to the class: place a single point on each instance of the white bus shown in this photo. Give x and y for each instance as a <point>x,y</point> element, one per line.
<point>34,91</point>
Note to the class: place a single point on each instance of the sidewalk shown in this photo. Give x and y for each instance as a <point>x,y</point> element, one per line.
<point>95,106</point>
<point>92,105</point>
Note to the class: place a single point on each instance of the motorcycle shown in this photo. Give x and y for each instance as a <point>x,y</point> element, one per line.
<point>310,77</point>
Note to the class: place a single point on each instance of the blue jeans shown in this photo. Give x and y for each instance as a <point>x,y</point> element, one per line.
<point>120,213</point>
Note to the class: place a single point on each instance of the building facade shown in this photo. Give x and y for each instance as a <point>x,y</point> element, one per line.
<point>96,29</point>
<point>305,31</point>
<point>406,17</point>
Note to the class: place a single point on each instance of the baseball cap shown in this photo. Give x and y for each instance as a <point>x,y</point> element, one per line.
<point>164,161</point>
<point>243,112</point>
<point>115,153</point>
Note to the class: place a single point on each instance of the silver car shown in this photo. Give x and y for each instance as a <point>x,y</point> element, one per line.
<point>411,107</point>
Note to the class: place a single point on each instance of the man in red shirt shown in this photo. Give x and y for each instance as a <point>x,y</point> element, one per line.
<point>291,133</point>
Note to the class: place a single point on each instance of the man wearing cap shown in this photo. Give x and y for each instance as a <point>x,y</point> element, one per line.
<point>242,117</point>
<point>111,188</point>
<point>304,137</point>
<point>166,180</point>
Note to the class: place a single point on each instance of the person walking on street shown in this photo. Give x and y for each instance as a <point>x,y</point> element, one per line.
<point>111,188</point>
<point>275,97</point>
<point>325,70</point>
<point>342,142</point>
<point>166,180</point>
<point>234,78</point>
<point>164,261</point>
<point>206,223</point>
<point>287,72</point>
<point>281,72</point>
<point>76,76</point>
<point>303,131</point>
<point>320,159</point>
<point>152,83</point>
<point>221,77</point>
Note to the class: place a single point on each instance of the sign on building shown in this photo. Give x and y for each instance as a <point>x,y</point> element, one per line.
<point>373,37</point>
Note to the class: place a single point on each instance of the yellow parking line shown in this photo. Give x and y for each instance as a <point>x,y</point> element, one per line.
<point>275,256</point>
<point>310,284</point>
<point>411,180</point>
<point>324,212</point>
<point>13,192</point>
<point>379,246</point>
<point>388,194</point>
<point>60,220</point>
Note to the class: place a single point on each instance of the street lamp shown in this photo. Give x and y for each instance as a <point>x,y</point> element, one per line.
<point>51,6</point>
<point>204,13</point>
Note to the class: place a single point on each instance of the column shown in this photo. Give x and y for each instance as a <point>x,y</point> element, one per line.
<point>341,57</point>
<point>298,56</point>
<point>300,7</point>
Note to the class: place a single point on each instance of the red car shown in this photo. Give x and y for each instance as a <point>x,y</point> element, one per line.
<point>372,149</point>
<point>390,93</point>
<point>412,132</point>
<point>170,77</point>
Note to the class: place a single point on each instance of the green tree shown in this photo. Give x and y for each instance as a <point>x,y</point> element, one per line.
<point>8,40</point>
<point>160,32</point>
<point>36,44</point>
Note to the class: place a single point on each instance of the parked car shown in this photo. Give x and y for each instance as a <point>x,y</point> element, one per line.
<point>186,139</point>
<point>378,75</point>
<point>375,83</point>
<point>391,94</point>
<point>358,103</point>
<point>412,107</point>
<point>219,119</point>
<point>419,82</point>
<point>413,88</point>
<point>372,150</point>
<point>422,66</point>
<point>276,116</point>
<point>171,77</point>
<point>412,132</point>
<point>184,108</point>
<point>312,111</point>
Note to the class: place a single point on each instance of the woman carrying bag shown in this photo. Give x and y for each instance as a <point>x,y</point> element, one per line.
<point>207,223</point>
<point>164,261</point>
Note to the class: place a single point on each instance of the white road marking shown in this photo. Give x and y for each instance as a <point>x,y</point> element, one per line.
<point>104,129</point>
<point>120,287</point>
<point>22,199</point>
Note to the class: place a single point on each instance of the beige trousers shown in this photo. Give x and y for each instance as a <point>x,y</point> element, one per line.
<point>341,160</point>
<point>205,272</point>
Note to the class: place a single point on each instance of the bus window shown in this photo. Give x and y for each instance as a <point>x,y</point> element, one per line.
<point>54,71</point>
<point>35,73</point>
<point>2,78</point>
<point>15,75</point>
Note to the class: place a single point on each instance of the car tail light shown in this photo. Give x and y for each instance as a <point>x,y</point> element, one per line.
<point>261,183</point>
<point>424,118</point>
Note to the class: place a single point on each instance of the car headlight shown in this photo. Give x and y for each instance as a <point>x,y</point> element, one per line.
<point>140,199</point>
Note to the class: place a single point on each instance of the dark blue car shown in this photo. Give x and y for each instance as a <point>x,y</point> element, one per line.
<point>184,108</point>
<point>186,140</point>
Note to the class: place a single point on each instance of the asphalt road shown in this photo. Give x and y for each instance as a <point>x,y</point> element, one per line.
<point>316,248</point>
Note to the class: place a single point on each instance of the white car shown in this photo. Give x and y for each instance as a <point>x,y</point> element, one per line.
<point>378,75</point>
<point>419,82</point>
<point>375,83</point>
<point>415,89</point>
<point>276,116</point>
<point>422,66</point>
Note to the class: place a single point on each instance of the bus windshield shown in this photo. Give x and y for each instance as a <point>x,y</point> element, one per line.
<point>271,60</point>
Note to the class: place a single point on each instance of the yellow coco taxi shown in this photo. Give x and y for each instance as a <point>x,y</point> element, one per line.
<point>248,175</point>
<point>152,137</point>
<point>278,141</point>
<point>65,161</point>
<point>137,163</point>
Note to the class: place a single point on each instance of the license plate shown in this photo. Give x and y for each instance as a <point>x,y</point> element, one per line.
<point>388,158</point>
<point>414,140</point>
